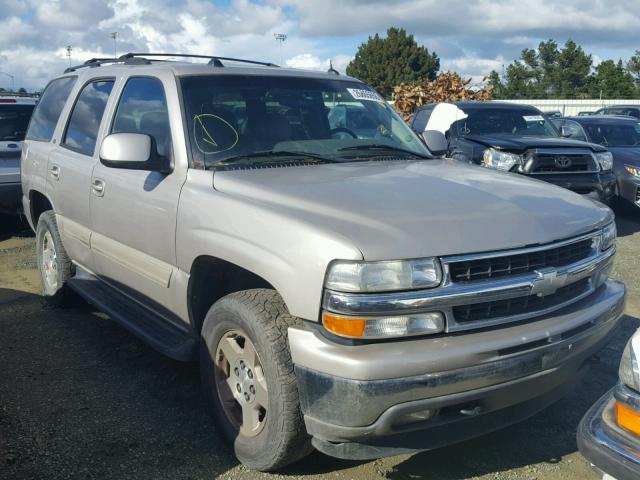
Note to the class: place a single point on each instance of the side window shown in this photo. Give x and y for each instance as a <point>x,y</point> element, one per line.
<point>421,118</point>
<point>143,109</point>
<point>84,123</point>
<point>46,115</point>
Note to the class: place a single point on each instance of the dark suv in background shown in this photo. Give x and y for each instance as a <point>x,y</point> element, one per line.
<point>15,113</point>
<point>521,139</point>
<point>621,136</point>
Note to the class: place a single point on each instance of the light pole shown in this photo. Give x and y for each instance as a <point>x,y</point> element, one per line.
<point>280,37</point>
<point>69,53</point>
<point>13,87</point>
<point>114,35</point>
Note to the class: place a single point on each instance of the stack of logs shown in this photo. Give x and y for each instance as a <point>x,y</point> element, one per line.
<point>447,87</point>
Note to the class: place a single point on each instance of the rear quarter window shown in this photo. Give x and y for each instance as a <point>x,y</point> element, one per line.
<point>47,112</point>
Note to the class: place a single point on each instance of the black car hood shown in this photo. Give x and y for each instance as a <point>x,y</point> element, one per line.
<point>520,143</point>
<point>628,155</point>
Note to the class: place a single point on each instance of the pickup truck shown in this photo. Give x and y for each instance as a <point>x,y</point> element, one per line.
<point>343,289</point>
<point>15,113</point>
<point>520,139</point>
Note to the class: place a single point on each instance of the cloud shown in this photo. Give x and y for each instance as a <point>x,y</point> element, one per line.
<point>470,36</point>
<point>309,61</point>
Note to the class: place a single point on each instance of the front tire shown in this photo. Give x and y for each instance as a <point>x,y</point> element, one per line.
<point>54,265</point>
<point>248,379</point>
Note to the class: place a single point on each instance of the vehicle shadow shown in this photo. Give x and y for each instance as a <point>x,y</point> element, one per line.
<point>627,218</point>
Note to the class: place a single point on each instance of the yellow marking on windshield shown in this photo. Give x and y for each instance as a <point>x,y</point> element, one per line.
<point>207,137</point>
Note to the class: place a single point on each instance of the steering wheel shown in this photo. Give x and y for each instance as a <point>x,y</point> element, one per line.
<point>343,130</point>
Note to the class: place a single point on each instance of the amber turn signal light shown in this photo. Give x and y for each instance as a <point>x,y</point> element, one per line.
<point>344,326</point>
<point>628,418</point>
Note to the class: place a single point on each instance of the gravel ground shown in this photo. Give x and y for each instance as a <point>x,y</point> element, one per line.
<point>82,398</point>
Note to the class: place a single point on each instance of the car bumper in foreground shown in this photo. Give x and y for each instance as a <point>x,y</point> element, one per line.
<point>600,186</point>
<point>499,377</point>
<point>602,442</point>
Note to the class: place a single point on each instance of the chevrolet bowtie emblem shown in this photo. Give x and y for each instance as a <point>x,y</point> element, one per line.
<point>547,282</point>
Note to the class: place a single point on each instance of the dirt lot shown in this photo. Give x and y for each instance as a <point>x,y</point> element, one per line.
<point>82,398</point>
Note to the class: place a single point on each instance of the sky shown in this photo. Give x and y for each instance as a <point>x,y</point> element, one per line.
<point>471,37</point>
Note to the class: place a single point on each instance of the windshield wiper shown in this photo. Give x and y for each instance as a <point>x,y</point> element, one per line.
<point>273,154</point>
<point>381,146</point>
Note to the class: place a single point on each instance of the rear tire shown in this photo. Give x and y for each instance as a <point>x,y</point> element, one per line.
<point>253,397</point>
<point>54,265</point>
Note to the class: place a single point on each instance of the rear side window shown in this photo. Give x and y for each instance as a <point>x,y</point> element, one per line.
<point>82,130</point>
<point>45,117</point>
<point>14,119</point>
<point>143,109</point>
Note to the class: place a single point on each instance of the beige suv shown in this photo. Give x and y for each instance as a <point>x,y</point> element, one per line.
<point>341,286</point>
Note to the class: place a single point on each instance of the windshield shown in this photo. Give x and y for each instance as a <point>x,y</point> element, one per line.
<point>14,120</point>
<point>504,121</point>
<point>625,135</point>
<point>252,118</point>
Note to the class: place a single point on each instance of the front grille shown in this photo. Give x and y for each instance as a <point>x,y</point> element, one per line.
<point>504,266</point>
<point>563,163</point>
<point>520,305</point>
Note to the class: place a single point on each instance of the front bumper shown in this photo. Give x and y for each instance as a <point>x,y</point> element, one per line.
<point>611,449</point>
<point>10,197</point>
<point>601,186</point>
<point>358,405</point>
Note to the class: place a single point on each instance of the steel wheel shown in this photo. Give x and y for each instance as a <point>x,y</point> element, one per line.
<point>240,382</point>
<point>49,262</point>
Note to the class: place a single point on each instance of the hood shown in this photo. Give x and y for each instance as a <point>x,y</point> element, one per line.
<point>405,209</point>
<point>520,143</point>
<point>628,155</point>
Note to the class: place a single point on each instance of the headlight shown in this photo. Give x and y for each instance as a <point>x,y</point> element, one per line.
<point>501,160</point>
<point>605,159</point>
<point>629,372</point>
<point>633,170</point>
<point>384,327</point>
<point>608,236</point>
<point>348,276</point>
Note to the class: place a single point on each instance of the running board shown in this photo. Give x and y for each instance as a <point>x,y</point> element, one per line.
<point>160,333</point>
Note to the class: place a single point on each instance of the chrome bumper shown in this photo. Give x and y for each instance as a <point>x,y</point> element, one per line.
<point>347,389</point>
<point>596,267</point>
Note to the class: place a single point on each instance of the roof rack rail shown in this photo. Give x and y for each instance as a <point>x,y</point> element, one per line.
<point>139,59</point>
<point>214,60</point>
<point>96,62</point>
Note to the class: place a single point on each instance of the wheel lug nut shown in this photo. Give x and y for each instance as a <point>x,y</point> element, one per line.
<point>252,390</point>
<point>241,364</point>
<point>238,387</point>
<point>236,371</point>
<point>249,373</point>
<point>246,396</point>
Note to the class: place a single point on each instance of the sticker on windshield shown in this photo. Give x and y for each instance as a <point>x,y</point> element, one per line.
<point>533,118</point>
<point>360,94</point>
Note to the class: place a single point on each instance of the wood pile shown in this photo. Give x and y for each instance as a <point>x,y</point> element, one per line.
<point>447,87</point>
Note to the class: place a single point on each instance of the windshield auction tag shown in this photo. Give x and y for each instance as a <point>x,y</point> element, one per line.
<point>360,94</point>
<point>533,118</point>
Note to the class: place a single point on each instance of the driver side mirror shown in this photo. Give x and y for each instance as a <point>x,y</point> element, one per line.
<point>436,142</point>
<point>565,131</point>
<point>133,151</point>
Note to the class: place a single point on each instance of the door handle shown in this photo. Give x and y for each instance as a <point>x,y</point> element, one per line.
<point>97,186</point>
<point>54,171</point>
